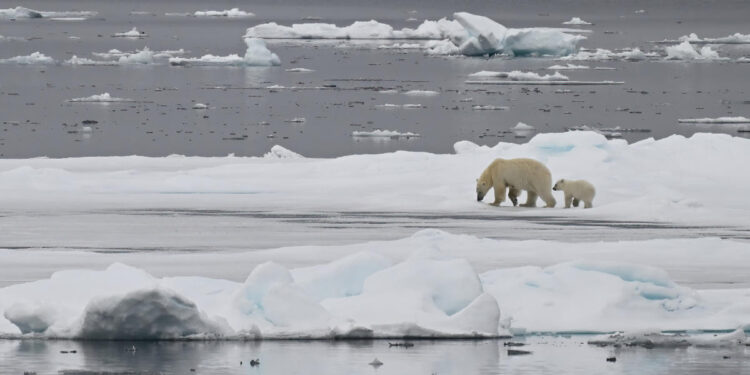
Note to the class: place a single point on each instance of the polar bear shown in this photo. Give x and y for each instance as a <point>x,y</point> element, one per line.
<point>516,174</point>
<point>575,191</point>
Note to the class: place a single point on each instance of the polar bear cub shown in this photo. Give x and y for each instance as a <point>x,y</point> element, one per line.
<point>575,191</point>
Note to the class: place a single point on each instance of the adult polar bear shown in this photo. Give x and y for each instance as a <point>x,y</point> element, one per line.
<point>516,174</point>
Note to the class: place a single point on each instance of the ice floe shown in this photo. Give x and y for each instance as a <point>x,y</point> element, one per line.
<point>26,13</point>
<point>132,33</point>
<point>421,93</point>
<point>517,75</point>
<point>718,120</point>
<point>256,54</point>
<point>576,21</point>
<point>144,56</point>
<point>100,98</point>
<point>299,70</point>
<point>686,51</point>
<point>656,339</point>
<point>736,38</point>
<point>569,67</point>
<point>393,134</point>
<point>231,13</point>
<point>634,54</point>
<point>468,34</point>
<point>34,58</point>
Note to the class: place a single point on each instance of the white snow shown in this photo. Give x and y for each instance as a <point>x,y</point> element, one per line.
<point>256,54</point>
<point>576,21</point>
<point>686,51</point>
<point>517,75</point>
<point>100,98</point>
<point>231,13</point>
<point>468,34</point>
<point>384,134</point>
<point>132,33</point>
<point>718,120</point>
<point>34,58</point>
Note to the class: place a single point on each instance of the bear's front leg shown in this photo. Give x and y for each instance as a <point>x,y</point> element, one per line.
<point>499,194</point>
<point>568,200</point>
<point>513,194</point>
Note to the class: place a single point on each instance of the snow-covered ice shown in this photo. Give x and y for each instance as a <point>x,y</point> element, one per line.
<point>717,120</point>
<point>132,33</point>
<point>517,75</point>
<point>576,21</point>
<point>686,51</point>
<point>256,54</point>
<point>100,98</point>
<point>352,291</point>
<point>231,13</point>
<point>378,133</point>
<point>34,58</point>
<point>634,54</point>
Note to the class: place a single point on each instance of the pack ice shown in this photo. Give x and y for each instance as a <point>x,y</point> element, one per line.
<point>472,34</point>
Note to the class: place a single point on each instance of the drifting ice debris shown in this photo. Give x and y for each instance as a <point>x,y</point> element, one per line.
<point>100,98</point>
<point>393,134</point>
<point>693,38</point>
<point>19,12</point>
<point>576,21</point>
<point>686,51</point>
<point>133,33</point>
<point>256,54</point>
<point>568,67</point>
<point>634,54</point>
<point>718,120</point>
<point>26,13</point>
<point>517,75</point>
<point>478,107</point>
<point>421,93</point>
<point>299,70</point>
<point>654,339</point>
<point>231,13</point>
<point>34,58</point>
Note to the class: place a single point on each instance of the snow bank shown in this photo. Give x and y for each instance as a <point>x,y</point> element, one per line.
<point>469,34</point>
<point>517,75</point>
<point>100,98</point>
<point>384,134</point>
<point>718,120</point>
<point>133,33</point>
<point>686,51</point>
<point>231,13</point>
<point>256,54</point>
<point>34,58</point>
<point>576,21</point>
<point>421,286</point>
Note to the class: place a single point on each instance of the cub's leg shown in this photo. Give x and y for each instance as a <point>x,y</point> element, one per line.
<point>568,199</point>
<point>576,201</point>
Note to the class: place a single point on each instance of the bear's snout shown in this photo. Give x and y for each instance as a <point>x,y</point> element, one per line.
<point>479,197</point>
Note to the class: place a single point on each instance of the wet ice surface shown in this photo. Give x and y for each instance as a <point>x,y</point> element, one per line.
<point>344,92</point>
<point>559,355</point>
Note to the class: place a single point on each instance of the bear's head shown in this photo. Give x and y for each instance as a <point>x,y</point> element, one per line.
<point>484,183</point>
<point>559,185</point>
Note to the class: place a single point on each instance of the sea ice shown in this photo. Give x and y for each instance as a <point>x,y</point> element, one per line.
<point>517,75</point>
<point>718,120</point>
<point>686,51</point>
<point>231,13</point>
<point>576,21</point>
<point>34,58</point>
<point>100,98</point>
<point>256,54</point>
<point>132,33</point>
<point>384,134</point>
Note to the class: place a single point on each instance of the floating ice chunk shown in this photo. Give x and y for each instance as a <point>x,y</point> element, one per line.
<point>735,38</point>
<point>257,54</point>
<point>111,54</point>
<point>100,98</point>
<point>441,47</point>
<point>133,33</point>
<point>145,315</point>
<point>19,12</point>
<point>231,13</point>
<point>576,21</point>
<point>488,107</point>
<point>200,106</point>
<point>34,58</point>
<point>656,339</point>
<point>421,93</point>
<point>299,70</point>
<point>718,120</point>
<point>686,51</point>
<point>522,127</point>
<point>144,56</point>
<point>569,67</point>
<point>384,134</point>
<point>279,152</point>
<point>517,75</point>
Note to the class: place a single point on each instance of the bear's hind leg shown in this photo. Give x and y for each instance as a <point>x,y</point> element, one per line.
<point>530,199</point>
<point>549,199</point>
<point>575,202</point>
<point>588,204</point>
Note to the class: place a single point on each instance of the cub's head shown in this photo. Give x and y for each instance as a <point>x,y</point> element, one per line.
<point>559,185</point>
<point>484,183</point>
